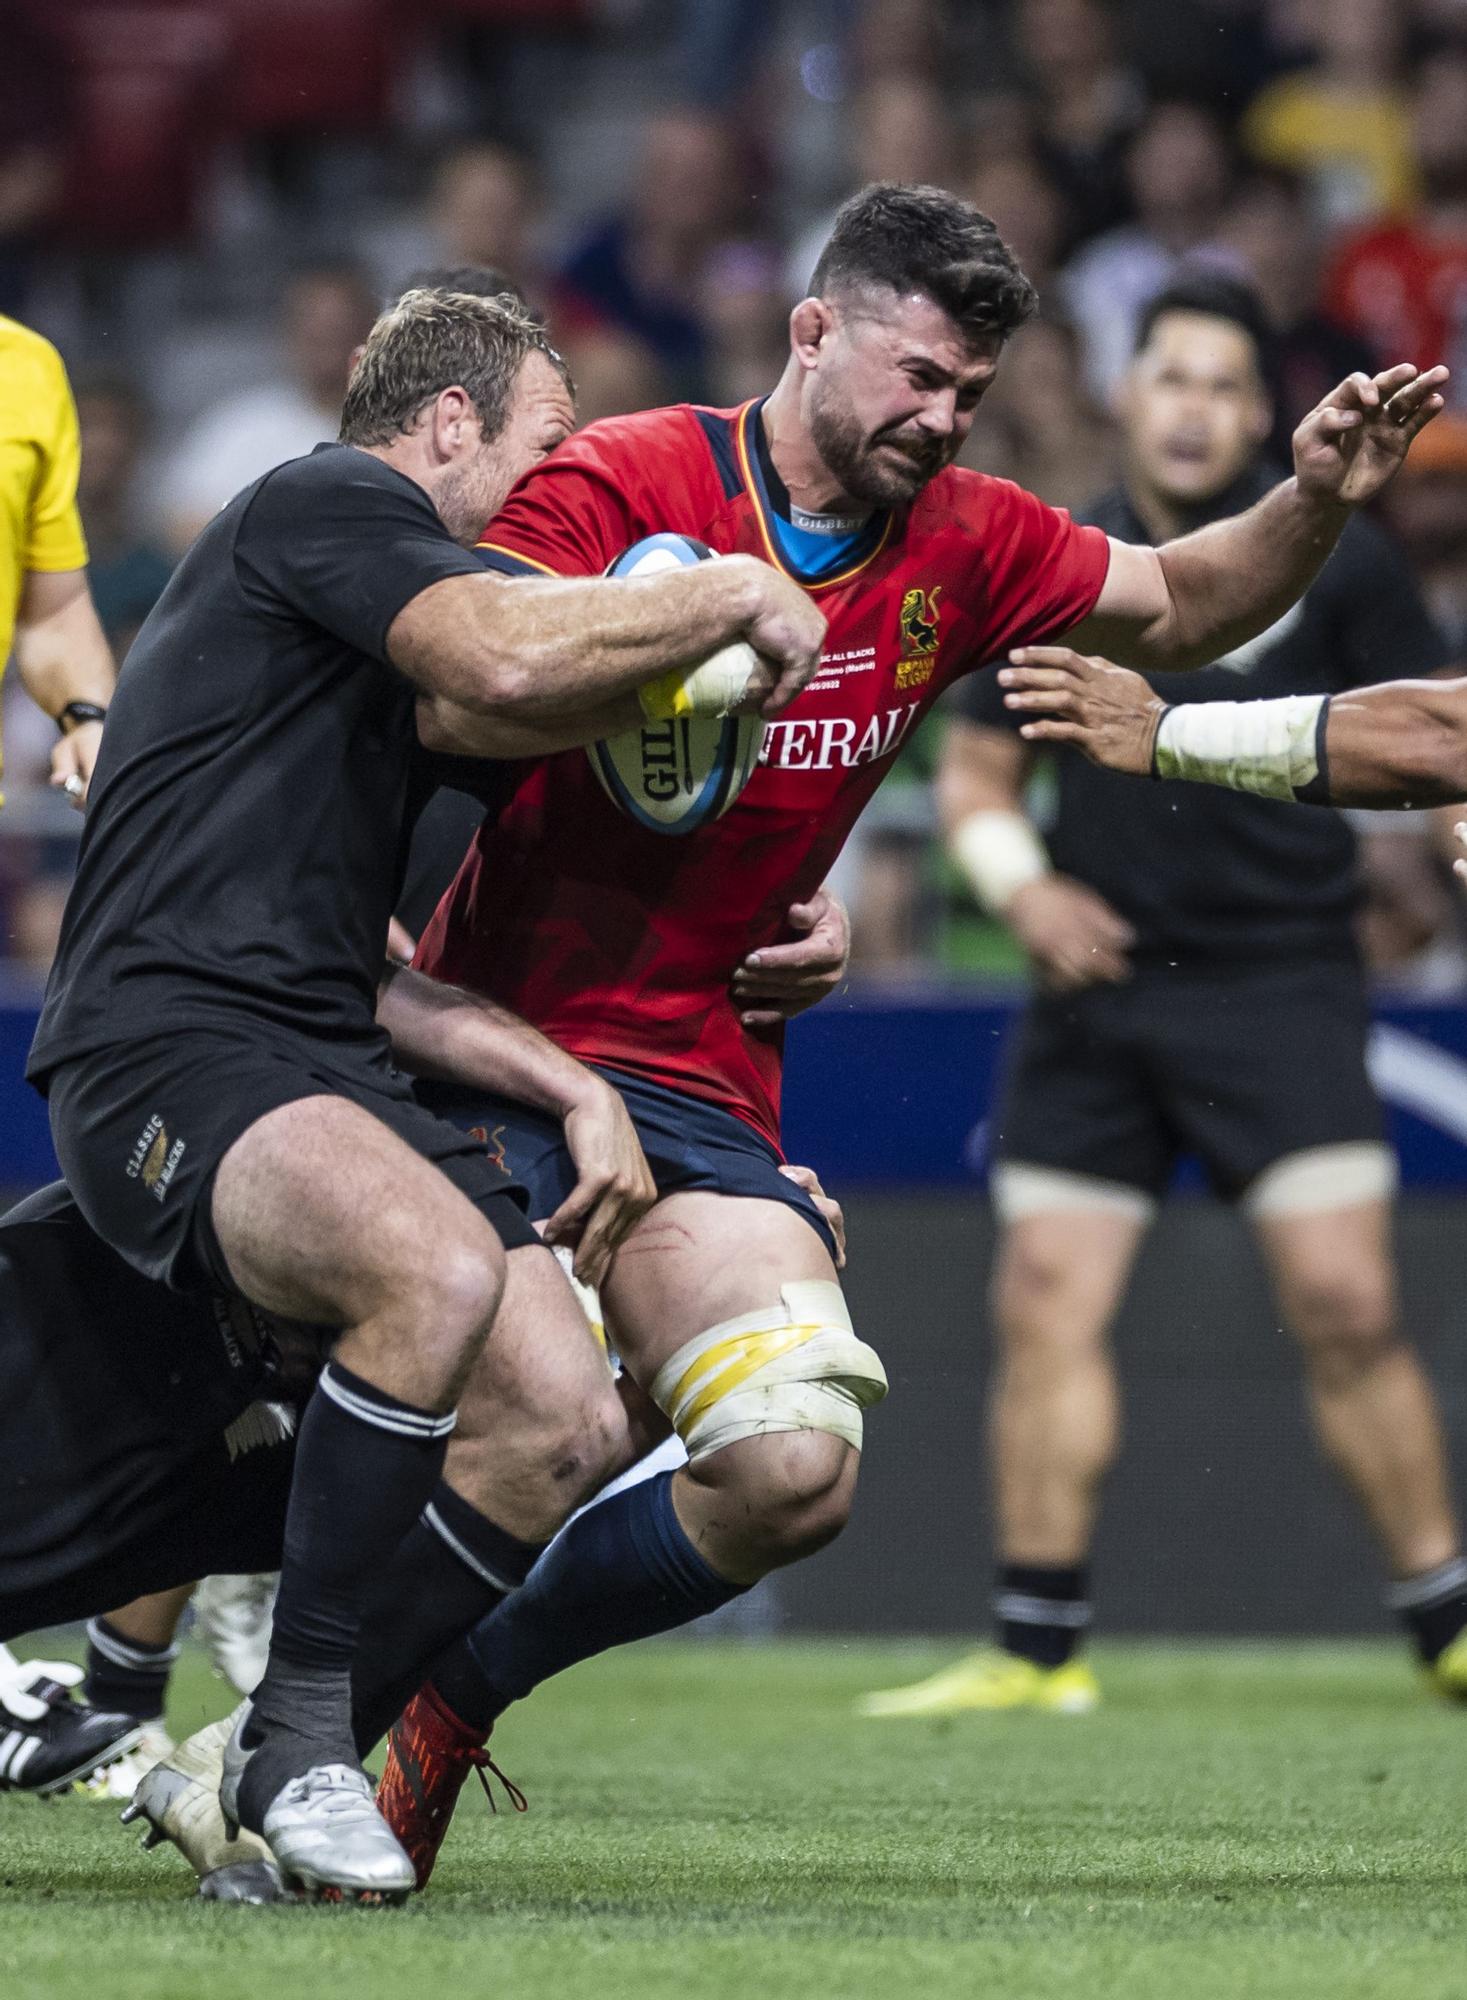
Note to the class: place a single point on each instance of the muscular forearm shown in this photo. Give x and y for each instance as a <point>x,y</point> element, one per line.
<point>1233,579</point>
<point>1403,744</point>
<point>61,652</point>
<point>450,728</point>
<point>547,650</point>
<point>443,1032</point>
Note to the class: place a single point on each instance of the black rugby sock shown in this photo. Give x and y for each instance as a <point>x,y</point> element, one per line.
<point>366,1465</point>
<point>1042,1610</point>
<point>1432,1606</point>
<point>126,1676</point>
<point>450,1570</point>
<point>623,1570</point>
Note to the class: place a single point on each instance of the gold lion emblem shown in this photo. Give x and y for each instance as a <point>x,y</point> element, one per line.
<point>919,622</point>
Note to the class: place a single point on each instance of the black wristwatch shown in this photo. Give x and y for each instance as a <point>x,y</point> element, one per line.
<point>76,713</point>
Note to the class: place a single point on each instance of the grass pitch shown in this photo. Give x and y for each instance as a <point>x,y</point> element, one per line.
<point>708,1821</point>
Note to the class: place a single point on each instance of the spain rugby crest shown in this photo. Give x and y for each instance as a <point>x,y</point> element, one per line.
<point>919,636</point>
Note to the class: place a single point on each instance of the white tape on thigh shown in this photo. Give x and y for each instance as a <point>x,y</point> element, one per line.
<point>797,1366</point>
<point>1019,1190</point>
<point>587,1296</point>
<point>1324,1178</point>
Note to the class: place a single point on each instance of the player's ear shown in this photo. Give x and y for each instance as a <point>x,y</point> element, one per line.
<point>810,326</point>
<point>450,416</point>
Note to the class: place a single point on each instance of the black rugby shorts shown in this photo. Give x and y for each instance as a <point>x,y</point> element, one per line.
<point>140,1129</point>
<point>1238,1066</point>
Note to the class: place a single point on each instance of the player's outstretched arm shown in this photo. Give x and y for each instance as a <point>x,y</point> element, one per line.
<point>1401,744</point>
<point>1194,599</point>
<point>545,662</point>
<point>442,1031</point>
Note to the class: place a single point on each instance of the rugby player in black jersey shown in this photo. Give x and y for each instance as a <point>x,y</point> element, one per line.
<point>1199,989</point>
<point>221,1098</point>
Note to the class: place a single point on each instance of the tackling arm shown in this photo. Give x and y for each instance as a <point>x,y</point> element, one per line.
<point>442,1031</point>
<point>509,668</point>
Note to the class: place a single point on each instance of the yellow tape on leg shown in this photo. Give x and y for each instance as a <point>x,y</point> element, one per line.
<point>797,1366</point>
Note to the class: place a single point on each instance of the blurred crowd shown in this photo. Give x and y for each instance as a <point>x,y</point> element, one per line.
<point>204,202</point>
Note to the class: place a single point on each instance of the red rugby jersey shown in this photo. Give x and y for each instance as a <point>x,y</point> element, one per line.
<point>619,942</point>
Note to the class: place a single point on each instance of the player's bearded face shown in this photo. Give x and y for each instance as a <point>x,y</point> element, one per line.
<point>884,467</point>
<point>893,400</point>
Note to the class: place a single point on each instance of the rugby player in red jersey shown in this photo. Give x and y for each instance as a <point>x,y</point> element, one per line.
<point>633,950</point>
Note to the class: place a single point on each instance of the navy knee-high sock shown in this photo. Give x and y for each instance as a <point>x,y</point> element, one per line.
<point>447,1573</point>
<point>126,1676</point>
<point>365,1466</point>
<point>624,1570</point>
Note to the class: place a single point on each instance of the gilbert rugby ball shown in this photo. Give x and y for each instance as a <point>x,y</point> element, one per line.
<point>673,777</point>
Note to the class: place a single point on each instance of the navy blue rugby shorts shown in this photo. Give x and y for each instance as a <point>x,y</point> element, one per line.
<point>690,1146</point>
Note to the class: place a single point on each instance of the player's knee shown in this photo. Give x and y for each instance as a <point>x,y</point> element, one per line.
<point>1345,1322</point>
<point>455,1297</point>
<point>1042,1305</point>
<point>799,1496</point>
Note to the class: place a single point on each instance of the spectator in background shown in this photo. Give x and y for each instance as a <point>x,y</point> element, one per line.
<point>483,207</point>
<point>1343,122</point>
<point>747,314</point>
<point>641,269</point>
<point>1030,211</point>
<point>1401,284</point>
<point>614,372</point>
<point>1271,229</point>
<point>1040,427</point>
<point>129,565</point>
<point>1179,169</point>
<point>901,129</point>
<point>1429,516</point>
<point>1087,103</point>
<point>327,310</point>
<point>35,114</point>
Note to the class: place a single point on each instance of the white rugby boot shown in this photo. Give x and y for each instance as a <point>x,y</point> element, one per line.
<point>179,1799</point>
<point>116,1783</point>
<point>232,1618</point>
<point>323,1829</point>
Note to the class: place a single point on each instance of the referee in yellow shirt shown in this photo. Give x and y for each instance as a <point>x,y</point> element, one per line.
<point>46,612</point>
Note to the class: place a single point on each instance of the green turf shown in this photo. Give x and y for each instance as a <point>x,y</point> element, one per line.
<point>707,1821</point>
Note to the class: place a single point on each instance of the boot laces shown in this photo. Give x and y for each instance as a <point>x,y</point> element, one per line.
<point>484,1764</point>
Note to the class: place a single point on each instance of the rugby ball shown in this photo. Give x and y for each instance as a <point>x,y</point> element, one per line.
<point>673,777</point>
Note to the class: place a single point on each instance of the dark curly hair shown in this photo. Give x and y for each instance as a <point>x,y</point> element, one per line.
<point>923,239</point>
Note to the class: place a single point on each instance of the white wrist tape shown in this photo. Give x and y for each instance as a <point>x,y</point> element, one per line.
<point>714,687</point>
<point>1000,853</point>
<point>1267,747</point>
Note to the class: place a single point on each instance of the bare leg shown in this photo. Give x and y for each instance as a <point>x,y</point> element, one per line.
<point>1373,1407</point>
<point>1054,1407</point>
<point>152,1621</point>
